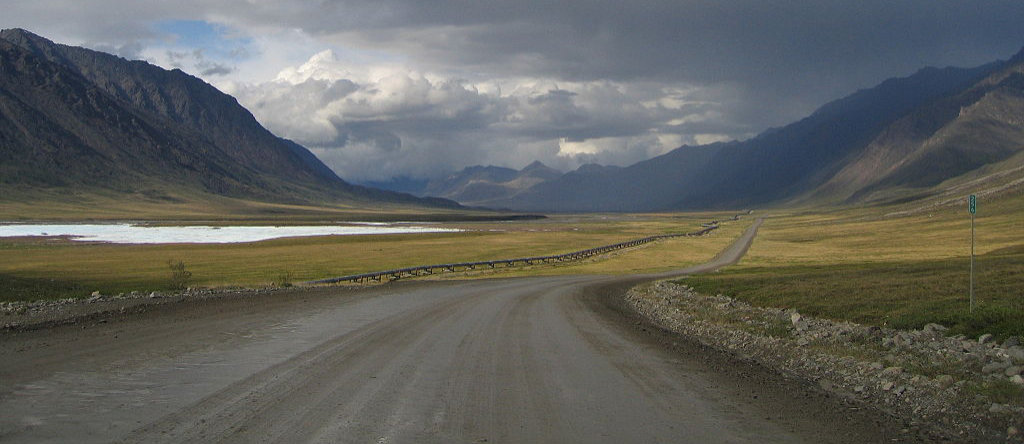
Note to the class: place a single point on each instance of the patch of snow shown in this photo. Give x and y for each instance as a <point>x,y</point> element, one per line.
<point>141,234</point>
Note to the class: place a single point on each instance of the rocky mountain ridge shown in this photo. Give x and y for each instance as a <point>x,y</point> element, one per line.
<point>898,140</point>
<point>73,117</point>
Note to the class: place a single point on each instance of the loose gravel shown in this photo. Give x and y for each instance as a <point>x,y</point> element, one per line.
<point>952,387</point>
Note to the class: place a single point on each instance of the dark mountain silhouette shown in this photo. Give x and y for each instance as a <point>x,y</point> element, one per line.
<point>73,117</point>
<point>948,122</point>
<point>476,184</point>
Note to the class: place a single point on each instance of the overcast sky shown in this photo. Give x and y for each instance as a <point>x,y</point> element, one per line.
<point>420,88</point>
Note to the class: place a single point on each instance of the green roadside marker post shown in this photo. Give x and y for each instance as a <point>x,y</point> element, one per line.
<point>972,206</point>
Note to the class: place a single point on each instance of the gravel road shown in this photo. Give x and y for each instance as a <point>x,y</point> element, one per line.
<point>546,359</point>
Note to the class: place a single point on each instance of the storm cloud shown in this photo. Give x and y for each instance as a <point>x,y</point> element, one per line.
<point>392,121</point>
<point>404,87</point>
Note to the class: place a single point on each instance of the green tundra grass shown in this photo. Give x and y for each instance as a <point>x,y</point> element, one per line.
<point>880,266</point>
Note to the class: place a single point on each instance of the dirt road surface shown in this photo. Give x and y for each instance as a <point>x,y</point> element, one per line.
<point>546,359</point>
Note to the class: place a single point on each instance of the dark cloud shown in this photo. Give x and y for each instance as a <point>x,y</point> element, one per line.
<point>795,54</point>
<point>569,82</point>
<point>197,61</point>
<point>758,64</point>
<point>214,69</point>
<point>404,123</point>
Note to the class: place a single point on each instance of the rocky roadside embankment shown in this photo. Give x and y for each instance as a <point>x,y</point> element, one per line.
<point>954,387</point>
<point>27,315</point>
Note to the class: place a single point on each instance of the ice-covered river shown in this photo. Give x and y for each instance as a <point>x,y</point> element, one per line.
<point>141,234</point>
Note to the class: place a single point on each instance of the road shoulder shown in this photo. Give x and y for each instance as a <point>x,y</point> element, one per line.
<point>923,376</point>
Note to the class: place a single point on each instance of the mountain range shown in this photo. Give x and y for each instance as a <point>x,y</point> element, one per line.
<point>77,119</point>
<point>73,118</point>
<point>898,140</point>
<point>477,185</point>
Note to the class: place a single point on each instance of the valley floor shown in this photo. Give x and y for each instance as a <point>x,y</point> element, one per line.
<point>536,359</point>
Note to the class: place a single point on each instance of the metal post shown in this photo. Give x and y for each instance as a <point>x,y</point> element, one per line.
<point>972,207</point>
<point>972,262</point>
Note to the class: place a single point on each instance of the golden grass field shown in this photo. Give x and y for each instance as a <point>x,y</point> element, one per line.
<point>901,265</point>
<point>882,266</point>
<point>868,235</point>
<point>35,268</point>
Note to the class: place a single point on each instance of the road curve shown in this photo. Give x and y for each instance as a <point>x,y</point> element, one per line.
<point>502,360</point>
<point>729,256</point>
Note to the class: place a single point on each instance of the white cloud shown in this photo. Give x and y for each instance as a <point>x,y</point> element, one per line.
<point>406,87</point>
<point>705,139</point>
<point>379,121</point>
<point>568,148</point>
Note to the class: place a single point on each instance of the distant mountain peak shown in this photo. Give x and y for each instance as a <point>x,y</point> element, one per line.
<point>75,117</point>
<point>11,33</point>
<point>909,123</point>
<point>535,165</point>
<point>482,185</point>
<point>25,39</point>
<point>539,171</point>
